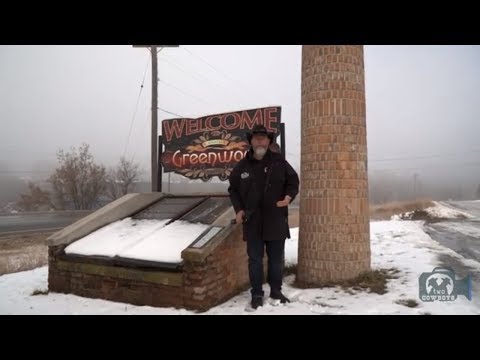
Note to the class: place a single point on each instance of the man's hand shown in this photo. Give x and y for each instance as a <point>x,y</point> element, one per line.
<point>284,202</point>
<point>239,217</point>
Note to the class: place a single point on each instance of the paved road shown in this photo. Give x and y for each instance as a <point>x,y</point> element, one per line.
<point>40,221</point>
<point>460,235</point>
<point>472,207</point>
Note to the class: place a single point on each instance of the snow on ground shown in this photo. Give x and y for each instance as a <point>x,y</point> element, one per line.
<point>399,244</point>
<point>440,210</point>
<point>395,244</point>
<point>291,248</point>
<point>464,228</point>
<point>443,211</point>
<point>16,298</point>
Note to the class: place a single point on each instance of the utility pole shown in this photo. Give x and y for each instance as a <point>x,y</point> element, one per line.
<point>156,182</point>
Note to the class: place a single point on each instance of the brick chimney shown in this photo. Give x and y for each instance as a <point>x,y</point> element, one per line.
<point>334,238</point>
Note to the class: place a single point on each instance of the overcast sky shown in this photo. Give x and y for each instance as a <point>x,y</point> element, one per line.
<point>422,101</point>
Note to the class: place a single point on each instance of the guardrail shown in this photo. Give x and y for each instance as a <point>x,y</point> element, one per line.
<point>63,212</point>
<point>26,232</point>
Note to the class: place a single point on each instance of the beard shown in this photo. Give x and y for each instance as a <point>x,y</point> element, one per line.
<point>260,151</point>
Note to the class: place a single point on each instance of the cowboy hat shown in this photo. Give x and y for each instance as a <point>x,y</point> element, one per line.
<point>260,130</point>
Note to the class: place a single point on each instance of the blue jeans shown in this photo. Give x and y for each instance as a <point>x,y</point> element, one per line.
<point>275,254</point>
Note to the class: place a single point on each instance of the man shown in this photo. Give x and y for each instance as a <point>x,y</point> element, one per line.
<point>262,185</point>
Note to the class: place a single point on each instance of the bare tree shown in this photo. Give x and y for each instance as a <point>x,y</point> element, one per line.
<point>78,179</point>
<point>59,197</point>
<point>35,200</point>
<point>121,179</point>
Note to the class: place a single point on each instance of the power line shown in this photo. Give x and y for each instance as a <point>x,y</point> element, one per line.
<point>144,130</point>
<point>223,74</point>
<point>136,107</point>
<point>24,171</point>
<point>184,92</point>
<point>431,166</point>
<point>145,125</point>
<point>169,112</point>
<point>207,63</point>
<point>196,75</point>
<point>425,157</point>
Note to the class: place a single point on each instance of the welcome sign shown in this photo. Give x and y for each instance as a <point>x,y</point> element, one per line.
<point>211,145</point>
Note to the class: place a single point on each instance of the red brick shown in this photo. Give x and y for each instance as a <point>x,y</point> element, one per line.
<point>335,196</point>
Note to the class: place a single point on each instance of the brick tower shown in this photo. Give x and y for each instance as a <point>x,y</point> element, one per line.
<point>334,238</point>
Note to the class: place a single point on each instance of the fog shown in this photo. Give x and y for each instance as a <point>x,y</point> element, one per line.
<point>422,106</point>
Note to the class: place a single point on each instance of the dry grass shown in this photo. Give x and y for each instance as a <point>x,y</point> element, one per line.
<point>23,259</point>
<point>371,281</point>
<point>37,292</point>
<point>377,212</point>
<point>23,252</point>
<point>290,270</point>
<point>408,303</point>
<point>294,217</point>
<point>385,211</point>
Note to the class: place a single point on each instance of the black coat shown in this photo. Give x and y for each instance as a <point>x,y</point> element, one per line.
<point>265,221</point>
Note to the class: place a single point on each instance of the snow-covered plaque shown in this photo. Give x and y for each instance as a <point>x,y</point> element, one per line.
<point>206,236</point>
